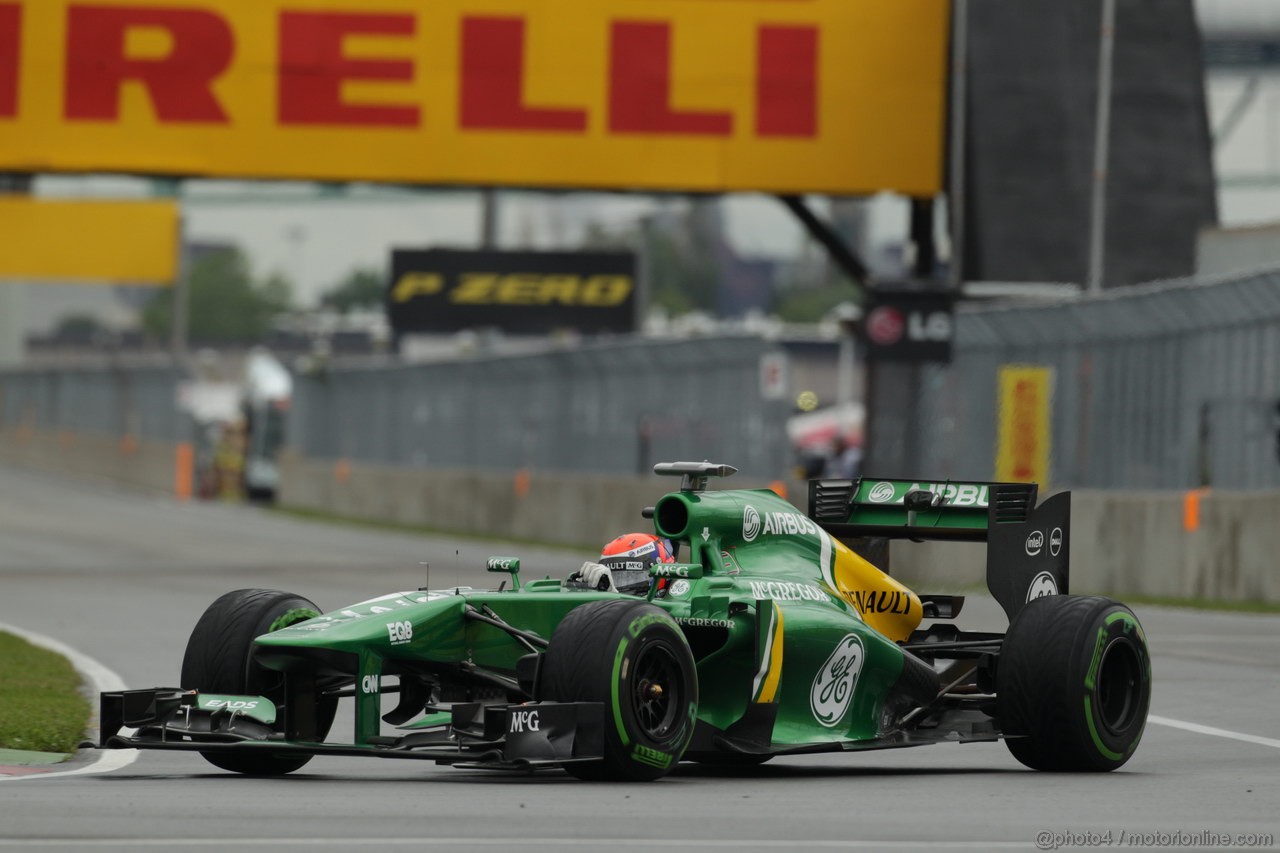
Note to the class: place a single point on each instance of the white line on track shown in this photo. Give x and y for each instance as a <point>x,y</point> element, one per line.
<point>1210,730</point>
<point>100,679</point>
<point>594,843</point>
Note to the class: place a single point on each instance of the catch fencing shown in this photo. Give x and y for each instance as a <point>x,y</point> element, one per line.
<point>606,407</point>
<point>113,401</point>
<point>1169,385</point>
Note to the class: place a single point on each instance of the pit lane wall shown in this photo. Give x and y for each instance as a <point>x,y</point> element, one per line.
<point>1123,543</point>
<point>117,424</point>
<point>1194,545</point>
<point>139,464</point>
<point>555,507</point>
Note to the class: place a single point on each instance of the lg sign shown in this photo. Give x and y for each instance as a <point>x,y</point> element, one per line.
<point>909,326</point>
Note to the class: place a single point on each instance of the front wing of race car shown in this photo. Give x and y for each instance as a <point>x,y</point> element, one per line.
<point>529,736</point>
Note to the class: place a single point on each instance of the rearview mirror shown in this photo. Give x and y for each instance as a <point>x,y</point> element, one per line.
<point>506,565</point>
<point>687,571</point>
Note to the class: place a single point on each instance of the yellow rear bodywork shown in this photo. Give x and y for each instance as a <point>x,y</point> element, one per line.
<point>885,604</point>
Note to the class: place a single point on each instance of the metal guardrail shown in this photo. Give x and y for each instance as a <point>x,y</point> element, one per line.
<point>1168,385</point>
<point>608,408</point>
<point>117,401</point>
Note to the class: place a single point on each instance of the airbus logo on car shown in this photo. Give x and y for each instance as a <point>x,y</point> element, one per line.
<point>881,493</point>
<point>775,524</point>
<point>962,494</point>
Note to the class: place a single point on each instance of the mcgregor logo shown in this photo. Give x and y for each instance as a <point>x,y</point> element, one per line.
<point>833,686</point>
<point>750,524</point>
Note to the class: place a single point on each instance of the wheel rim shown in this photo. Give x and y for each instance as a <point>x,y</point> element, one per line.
<point>657,691</point>
<point>1119,680</point>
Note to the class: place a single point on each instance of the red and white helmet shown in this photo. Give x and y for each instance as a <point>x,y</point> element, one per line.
<point>630,556</point>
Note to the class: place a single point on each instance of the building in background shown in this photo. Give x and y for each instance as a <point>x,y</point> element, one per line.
<point>1032,88</point>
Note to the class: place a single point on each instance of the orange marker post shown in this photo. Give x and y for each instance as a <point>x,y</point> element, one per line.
<point>184,464</point>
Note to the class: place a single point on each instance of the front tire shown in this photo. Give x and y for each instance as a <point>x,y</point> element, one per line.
<point>632,657</point>
<point>1074,681</point>
<point>219,659</point>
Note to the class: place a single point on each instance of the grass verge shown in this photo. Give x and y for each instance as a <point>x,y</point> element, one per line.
<point>41,708</point>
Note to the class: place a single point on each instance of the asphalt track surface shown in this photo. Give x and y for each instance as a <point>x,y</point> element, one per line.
<point>123,578</point>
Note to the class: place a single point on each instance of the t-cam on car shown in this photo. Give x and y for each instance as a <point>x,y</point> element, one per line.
<point>775,637</point>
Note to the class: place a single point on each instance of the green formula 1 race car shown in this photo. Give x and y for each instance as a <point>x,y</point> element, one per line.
<point>775,637</point>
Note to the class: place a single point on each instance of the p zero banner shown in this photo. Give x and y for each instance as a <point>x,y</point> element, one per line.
<point>833,96</point>
<point>519,292</point>
<point>1023,435</point>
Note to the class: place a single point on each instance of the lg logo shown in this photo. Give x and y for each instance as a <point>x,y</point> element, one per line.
<point>887,325</point>
<point>934,327</point>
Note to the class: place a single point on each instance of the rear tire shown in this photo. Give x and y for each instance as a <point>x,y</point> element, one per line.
<point>219,660</point>
<point>632,657</point>
<point>1074,679</point>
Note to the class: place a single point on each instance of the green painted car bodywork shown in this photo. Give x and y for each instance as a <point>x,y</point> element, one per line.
<point>766,620</point>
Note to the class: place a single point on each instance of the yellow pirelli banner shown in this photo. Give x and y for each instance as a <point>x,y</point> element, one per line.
<point>834,96</point>
<point>1024,434</point>
<point>106,242</point>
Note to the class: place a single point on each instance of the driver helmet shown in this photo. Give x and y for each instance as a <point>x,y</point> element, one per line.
<point>630,556</point>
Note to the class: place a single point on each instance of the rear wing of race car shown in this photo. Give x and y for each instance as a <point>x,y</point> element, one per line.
<point>1028,546</point>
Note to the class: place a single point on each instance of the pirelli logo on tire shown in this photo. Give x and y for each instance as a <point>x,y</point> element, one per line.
<point>517,292</point>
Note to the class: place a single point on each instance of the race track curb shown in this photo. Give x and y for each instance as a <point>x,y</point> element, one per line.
<point>98,678</point>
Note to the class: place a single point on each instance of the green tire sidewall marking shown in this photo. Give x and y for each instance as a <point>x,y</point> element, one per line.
<point>641,753</point>
<point>618,659</point>
<point>1131,624</point>
<point>1093,731</point>
<point>1090,681</point>
<point>292,617</point>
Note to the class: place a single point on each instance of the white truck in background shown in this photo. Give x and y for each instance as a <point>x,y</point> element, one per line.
<point>267,393</point>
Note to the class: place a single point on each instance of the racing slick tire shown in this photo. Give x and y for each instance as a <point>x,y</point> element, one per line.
<point>1074,681</point>
<point>219,660</point>
<point>632,657</point>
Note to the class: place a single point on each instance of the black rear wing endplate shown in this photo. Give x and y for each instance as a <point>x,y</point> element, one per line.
<point>1028,546</point>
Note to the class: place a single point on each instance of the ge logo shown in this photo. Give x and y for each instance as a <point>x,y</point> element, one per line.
<point>833,686</point>
<point>750,524</point>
